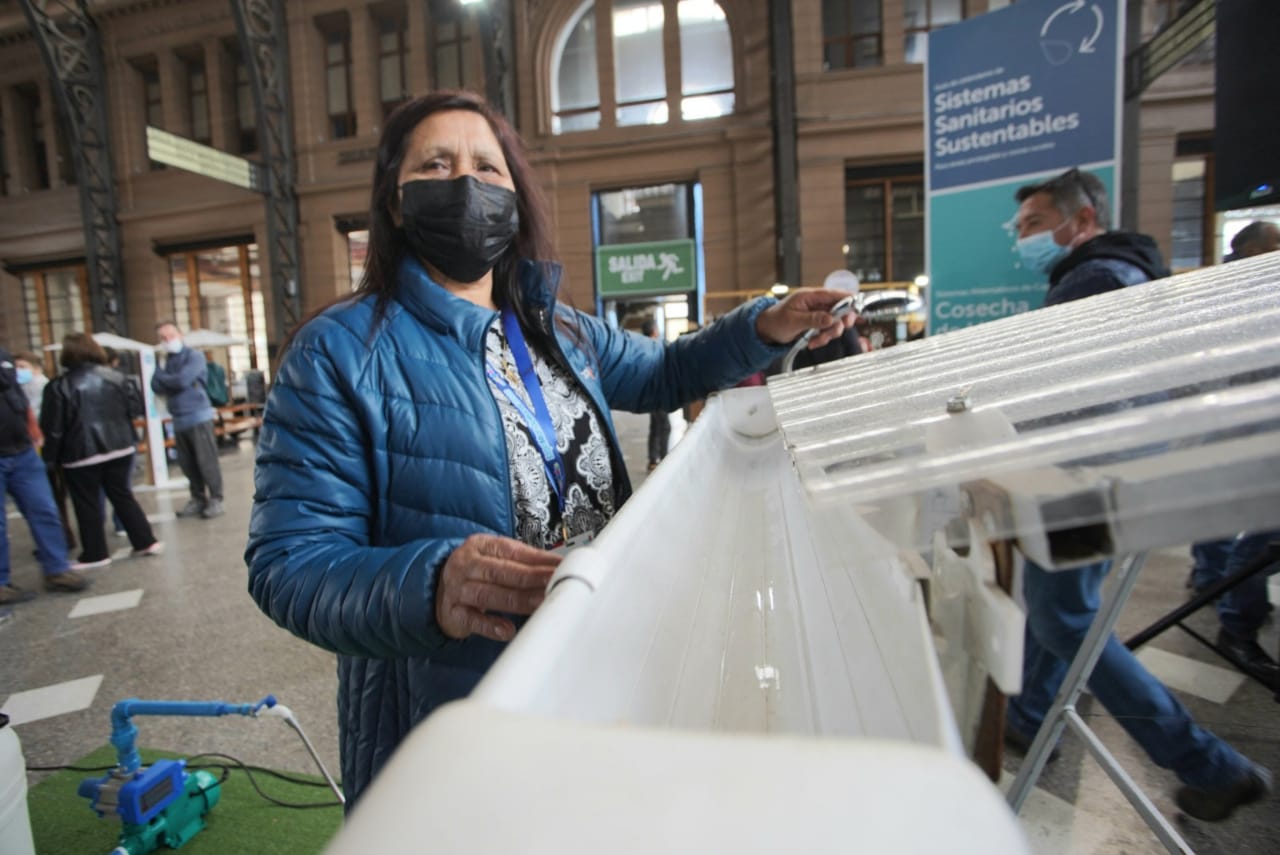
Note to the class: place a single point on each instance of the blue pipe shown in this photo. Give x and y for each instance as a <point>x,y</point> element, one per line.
<point>123,733</point>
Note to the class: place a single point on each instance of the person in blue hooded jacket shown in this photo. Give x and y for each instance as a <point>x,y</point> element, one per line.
<point>429,440</point>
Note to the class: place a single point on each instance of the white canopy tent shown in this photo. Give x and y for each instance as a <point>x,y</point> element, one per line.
<point>199,339</point>
<point>112,340</point>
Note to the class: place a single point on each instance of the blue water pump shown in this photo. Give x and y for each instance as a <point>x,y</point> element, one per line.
<point>162,804</point>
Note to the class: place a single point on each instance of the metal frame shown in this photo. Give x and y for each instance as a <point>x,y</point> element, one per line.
<point>261,28</point>
<point>72,52</point>
<point>1063,714</point>
<point>1269,556</point>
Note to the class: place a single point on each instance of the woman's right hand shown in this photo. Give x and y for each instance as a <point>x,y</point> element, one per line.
<point>490,573</point>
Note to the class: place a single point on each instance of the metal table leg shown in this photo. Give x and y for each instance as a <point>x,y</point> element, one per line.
<point>1063,713</point>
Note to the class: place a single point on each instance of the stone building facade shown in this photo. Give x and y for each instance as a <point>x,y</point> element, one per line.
<point>645,119</point>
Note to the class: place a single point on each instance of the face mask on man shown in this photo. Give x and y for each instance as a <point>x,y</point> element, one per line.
<point>173,345</point>
<point>24,376</point>
<point>1040,252</point>
<point>460,226</point>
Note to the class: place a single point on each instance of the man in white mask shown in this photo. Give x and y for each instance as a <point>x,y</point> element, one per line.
<point>182,381</point>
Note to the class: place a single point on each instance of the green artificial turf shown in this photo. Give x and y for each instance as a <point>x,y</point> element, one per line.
<point>242,821</point>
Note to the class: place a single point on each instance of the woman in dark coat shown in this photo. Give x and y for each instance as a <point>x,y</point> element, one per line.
<point>87,420</point>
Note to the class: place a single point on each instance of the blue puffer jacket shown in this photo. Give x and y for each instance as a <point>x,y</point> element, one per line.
<point>182,381</point>
<point>382,450</point>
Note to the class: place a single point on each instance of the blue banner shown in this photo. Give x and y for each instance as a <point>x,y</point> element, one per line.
<point>1012,97</point>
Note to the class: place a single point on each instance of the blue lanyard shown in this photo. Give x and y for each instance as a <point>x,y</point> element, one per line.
<point>538,420</point>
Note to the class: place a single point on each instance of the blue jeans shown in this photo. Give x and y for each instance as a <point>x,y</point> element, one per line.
<point>1242,610</point>
<point>1061,606</point>
<point>22,476</point>
<point>1209,557</point>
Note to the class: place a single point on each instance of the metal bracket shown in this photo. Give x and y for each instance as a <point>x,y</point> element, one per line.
<point>72,52</point>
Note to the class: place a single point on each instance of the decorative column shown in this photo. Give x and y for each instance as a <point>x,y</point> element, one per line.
<point>49,118</point>
<point>893,32</point>
<point>366,98</point>
<point>263,33</point>
<point>72,54</point>
<point>671,59</point>
<point>219,82</point>
<point>417,50</point>
<point>173,94</point>
<point>17,157</point>
<point>604,64</point>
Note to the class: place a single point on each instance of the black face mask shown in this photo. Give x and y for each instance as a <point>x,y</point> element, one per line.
<point>461,227</point>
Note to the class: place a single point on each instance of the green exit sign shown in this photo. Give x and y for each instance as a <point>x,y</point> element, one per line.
<point>657,267</point>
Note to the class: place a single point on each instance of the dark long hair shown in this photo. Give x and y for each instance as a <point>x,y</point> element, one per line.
<point>387,243</point>
<point>79,348</point>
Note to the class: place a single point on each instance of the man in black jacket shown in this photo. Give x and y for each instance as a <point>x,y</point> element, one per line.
<point>1064,232</point>
<point>22,476</point>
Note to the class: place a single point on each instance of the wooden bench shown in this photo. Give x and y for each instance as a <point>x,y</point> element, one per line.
<point>228,423</point>
<point>234,419</point>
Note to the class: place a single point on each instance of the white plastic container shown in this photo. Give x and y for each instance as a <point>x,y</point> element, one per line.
<point>15,824</point>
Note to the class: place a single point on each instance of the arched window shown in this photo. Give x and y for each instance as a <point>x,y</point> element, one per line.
<point>575,102</point>
<point>706,61</point>
<point>639,72</point>
<point>640,63</point>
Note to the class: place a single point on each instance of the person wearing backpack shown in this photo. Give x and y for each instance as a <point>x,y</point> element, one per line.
<point>215,384</point>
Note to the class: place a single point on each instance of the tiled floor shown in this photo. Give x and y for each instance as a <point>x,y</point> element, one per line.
<point>181,626</point>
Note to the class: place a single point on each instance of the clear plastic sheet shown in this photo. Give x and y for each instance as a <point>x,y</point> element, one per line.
<point>1144,414</point>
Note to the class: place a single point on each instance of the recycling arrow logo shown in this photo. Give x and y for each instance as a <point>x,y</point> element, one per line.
<point>1075,33</point>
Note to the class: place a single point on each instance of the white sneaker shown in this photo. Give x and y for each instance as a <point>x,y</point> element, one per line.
<point>154,549</point>
<point>80,566</point>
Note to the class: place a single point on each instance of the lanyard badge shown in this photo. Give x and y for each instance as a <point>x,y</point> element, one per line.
<point>534,413</point>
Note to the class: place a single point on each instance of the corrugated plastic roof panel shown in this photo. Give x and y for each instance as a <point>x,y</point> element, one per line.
<point>1151,406</point>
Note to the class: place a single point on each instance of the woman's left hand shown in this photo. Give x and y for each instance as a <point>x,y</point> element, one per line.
<point>802,310</point>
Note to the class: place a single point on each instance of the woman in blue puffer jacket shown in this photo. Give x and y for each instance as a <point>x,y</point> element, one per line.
<point>429,440</point>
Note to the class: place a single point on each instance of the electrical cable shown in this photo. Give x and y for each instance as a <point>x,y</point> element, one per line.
<point>274,773</point>
<point>226,773</point>
<point>258,790</point>
<point>266,708</point>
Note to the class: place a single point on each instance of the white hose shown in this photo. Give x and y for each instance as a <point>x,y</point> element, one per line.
<point>839,310</point>
<point>789,360</point>
<point>281,711</point>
